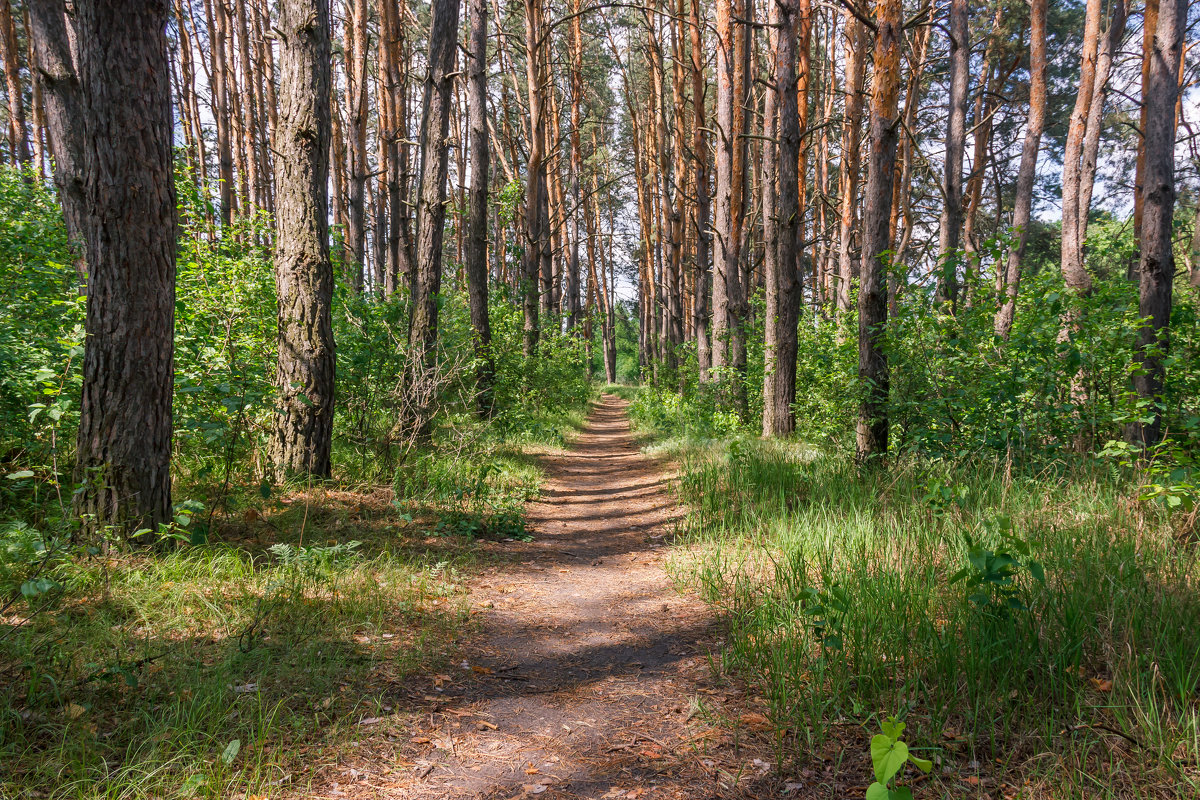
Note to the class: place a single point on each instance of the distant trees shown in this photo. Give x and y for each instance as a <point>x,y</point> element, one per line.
<point>722,184</point>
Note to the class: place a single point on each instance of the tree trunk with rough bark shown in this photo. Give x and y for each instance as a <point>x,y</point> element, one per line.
<point>64,110</point>
<point>431,194</point>
<point>1156,267</point>
<point>476,266</point>
<point>872,433</point>
<point>304,377</point>
<point>123,458</point>
<point>781,234</point>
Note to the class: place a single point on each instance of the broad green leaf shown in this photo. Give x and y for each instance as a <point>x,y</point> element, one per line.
<point>877,791</point>
<point>888,756</point>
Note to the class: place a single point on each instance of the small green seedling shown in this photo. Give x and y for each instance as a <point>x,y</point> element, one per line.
<point>889,754</point>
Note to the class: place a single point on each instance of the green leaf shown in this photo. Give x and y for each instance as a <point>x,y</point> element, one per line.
<point>16,476</point>
<point>925,765</point>
<point>900,793</point>
<point>877,791</point>
<point>1037,571</point>
<point>893,729</point>
<point>231,751</point>
<point>888,756</point>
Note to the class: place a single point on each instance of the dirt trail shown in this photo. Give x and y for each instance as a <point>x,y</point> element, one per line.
<point>583,680</point>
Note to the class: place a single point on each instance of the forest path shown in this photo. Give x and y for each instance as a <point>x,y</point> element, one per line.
<point>583,680</point>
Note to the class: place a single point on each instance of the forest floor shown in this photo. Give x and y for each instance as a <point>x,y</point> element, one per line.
<point>590,673</point>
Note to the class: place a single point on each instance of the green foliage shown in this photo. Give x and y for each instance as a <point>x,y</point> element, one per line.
<point>845,590</point>
<point>889,754</point>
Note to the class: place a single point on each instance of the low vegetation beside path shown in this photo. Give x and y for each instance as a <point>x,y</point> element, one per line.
<point>1035,626</point>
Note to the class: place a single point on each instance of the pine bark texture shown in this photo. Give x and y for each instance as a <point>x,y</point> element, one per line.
<point>303,427</point>
<point>782,285</point>
<point>124,446</point>
<point>64,108</point>
<point>1156,267</point>
<point>872,433</point>
<point>477,265</point>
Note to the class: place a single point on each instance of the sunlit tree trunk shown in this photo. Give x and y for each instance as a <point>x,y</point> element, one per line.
<point>1027,171</point>
<point>781,224</point>
<point>872,433</point>
<point>1156,267</point>
<point>304,378</point>
<point>855,69</point>
<point>18,134</point>
<point>950,230</point>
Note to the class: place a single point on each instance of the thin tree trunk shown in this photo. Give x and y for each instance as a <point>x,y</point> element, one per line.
<point>476,266</point>
<point>702,210</point>
<point>535,185</point>
<point>856,56</point>
<point>872,434</point>
<point>123,458</point>
<point>950,231</point>
<point>1074,272</point>
<point>781,235</point>
<point>1027,171</point>
<point>18,134</point>
<point>304,378</point>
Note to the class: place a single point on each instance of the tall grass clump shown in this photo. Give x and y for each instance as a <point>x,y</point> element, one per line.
<point>1012,617</point>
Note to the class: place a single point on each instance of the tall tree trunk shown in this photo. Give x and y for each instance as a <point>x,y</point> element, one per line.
<point>304,377</point>
<point>576,164</point>
<point>64,112</point>
<point>431,195</point>
<point>702,210</point>
<point>1156,267</point>
<point>1091,138</point>
<point>1149,29</point>
<point>218,25</point>
<point>728,343</point>
<point>950,231</point>
<point>1027,171</point>
<point>124,450</point>
<point>356,124</point>
<point>476,266</point>
<point>856,56</point>
<point>781,235</point>
<point>18,134</point>
<point>535,184</point>
<point>1074,272</point>
<point>872,435</point>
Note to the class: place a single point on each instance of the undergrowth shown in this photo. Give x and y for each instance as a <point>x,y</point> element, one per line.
<point>1036,628</point>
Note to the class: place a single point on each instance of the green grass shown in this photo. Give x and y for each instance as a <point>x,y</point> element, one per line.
<point>236,667</point>
<point>836,585</point>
